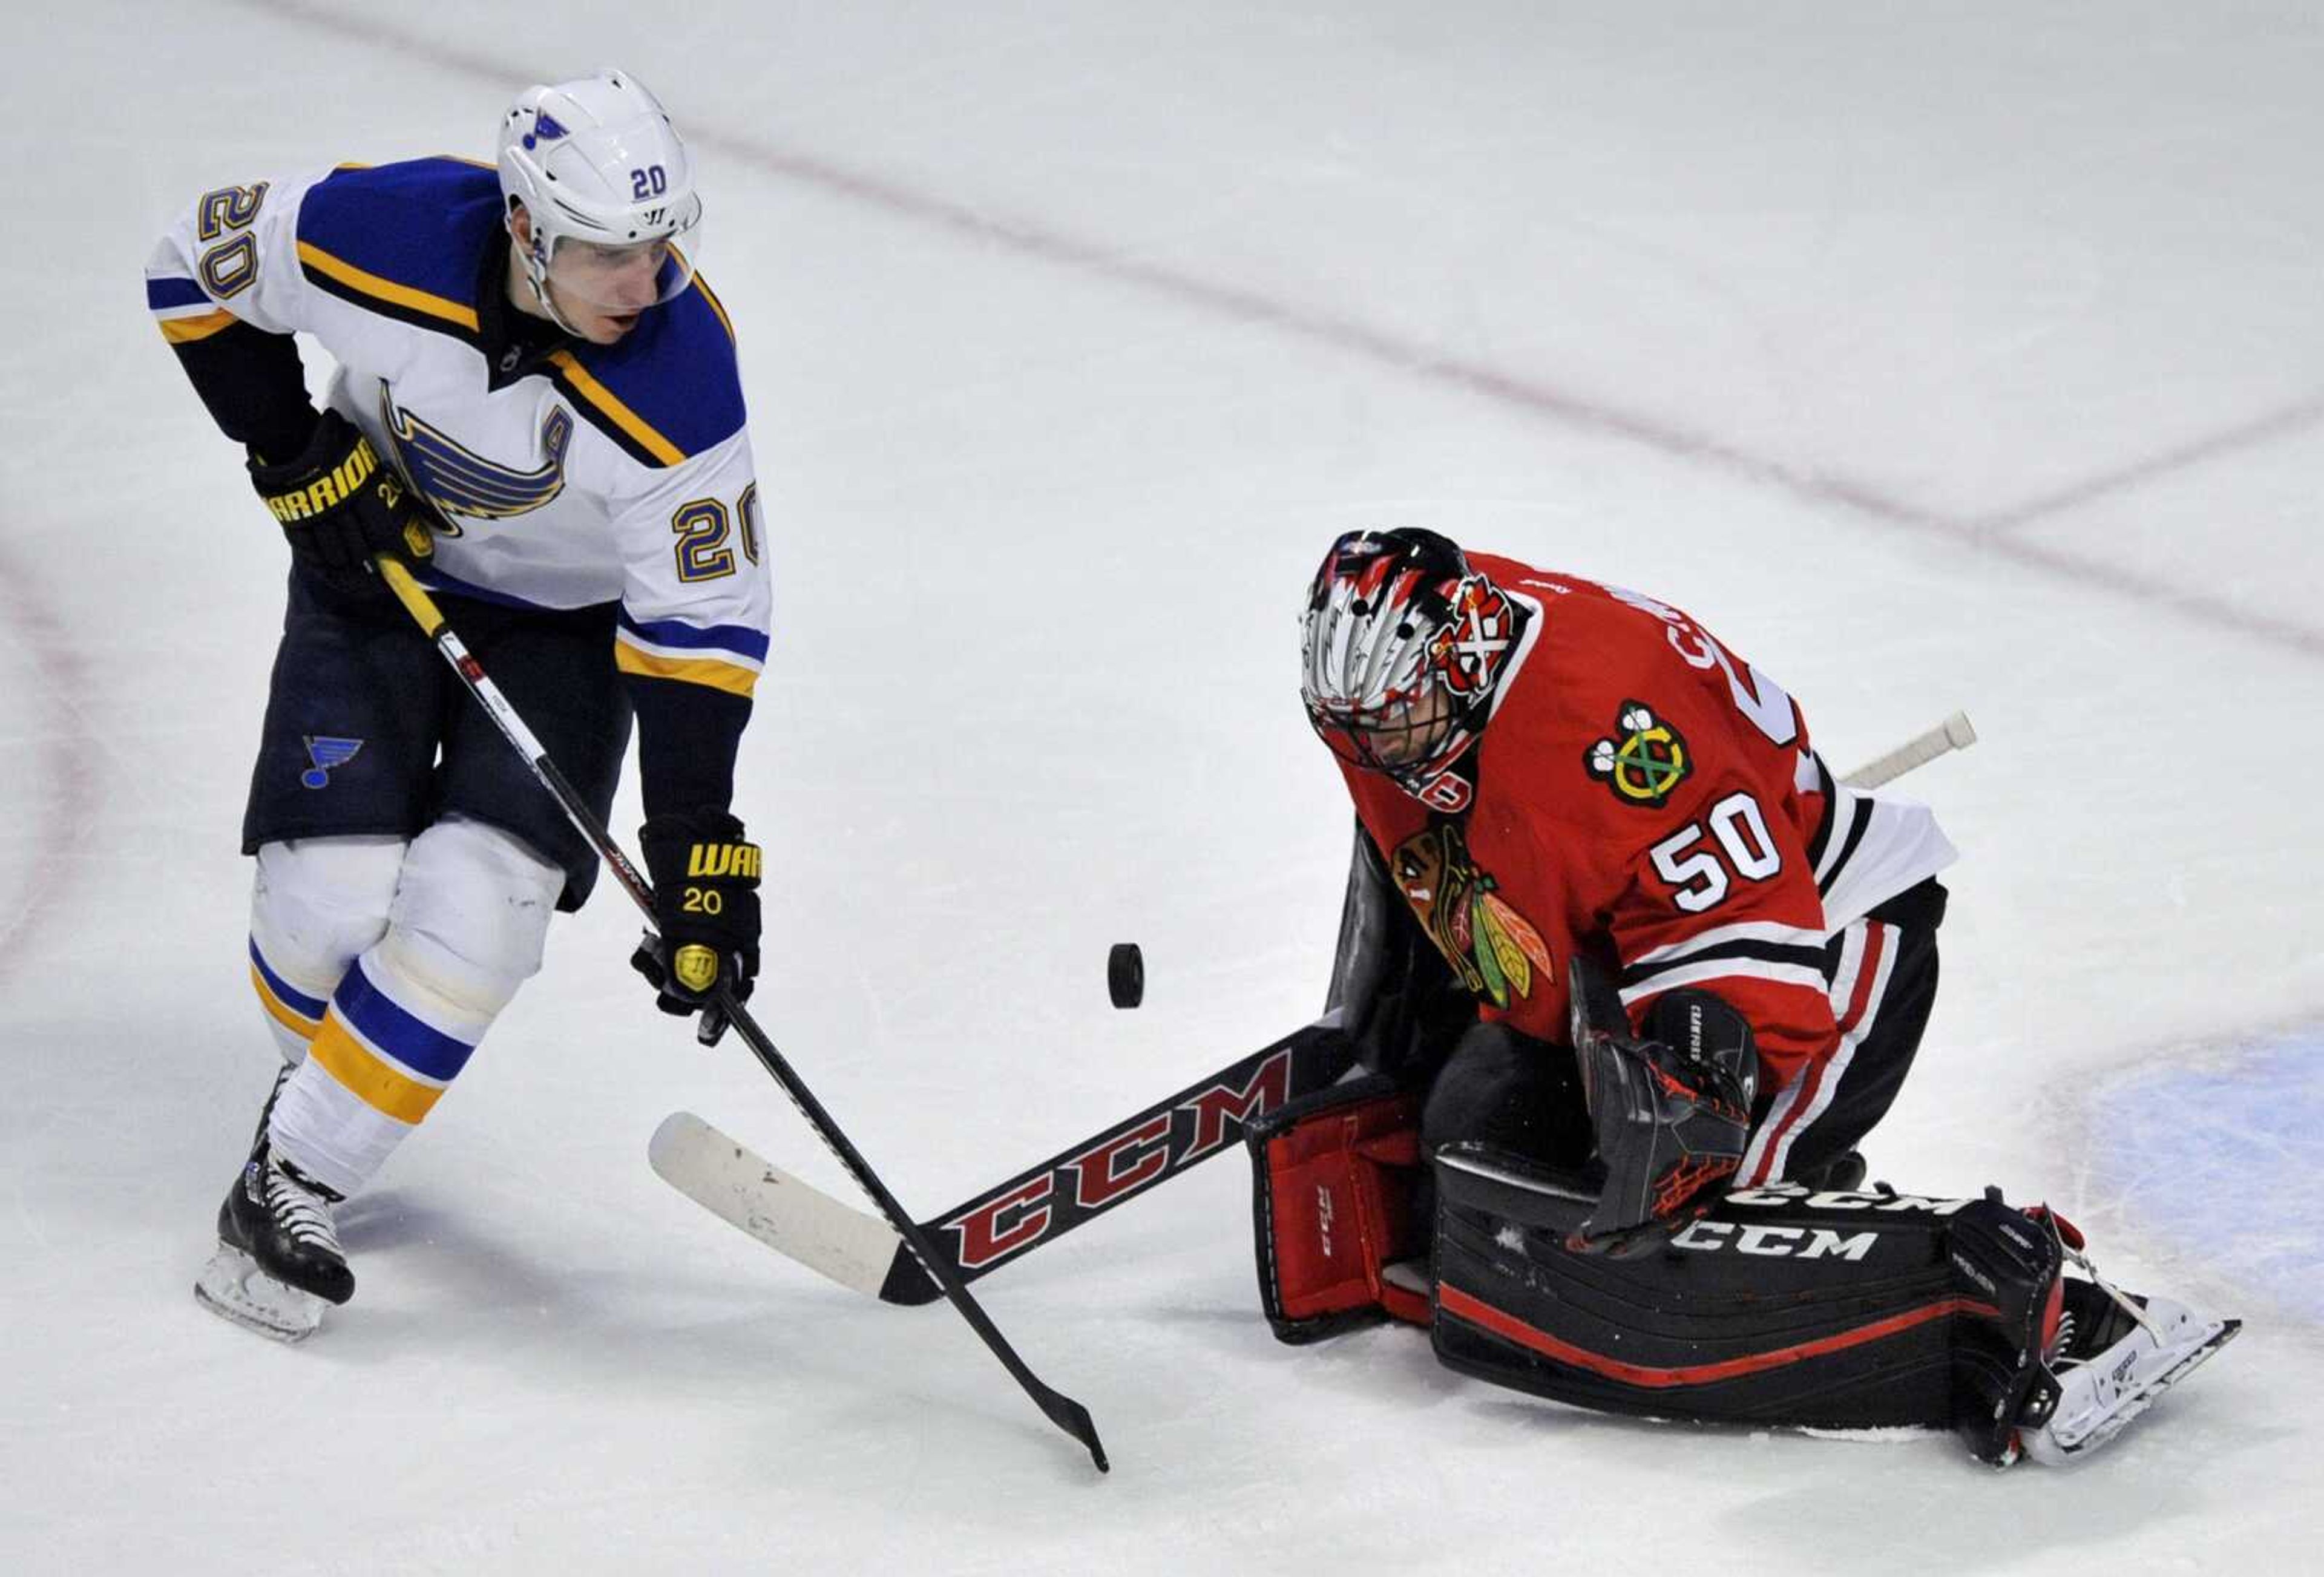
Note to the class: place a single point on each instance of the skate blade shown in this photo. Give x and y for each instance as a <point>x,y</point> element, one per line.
<point>233,1287</point>
<point>2054,1446</point>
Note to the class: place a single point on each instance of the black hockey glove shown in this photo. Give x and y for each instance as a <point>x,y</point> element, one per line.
<point>340,505</point>
<point>1673,1109</point>
<point>706,881</point>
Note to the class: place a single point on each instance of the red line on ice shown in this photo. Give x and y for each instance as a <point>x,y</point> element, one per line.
<point>67,777</point>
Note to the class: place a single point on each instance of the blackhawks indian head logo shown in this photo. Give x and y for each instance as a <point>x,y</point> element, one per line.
<point>1643,760</point>
<point>1497,954</point>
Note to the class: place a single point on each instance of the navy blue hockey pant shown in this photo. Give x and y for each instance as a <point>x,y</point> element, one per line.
<point>368,730</point>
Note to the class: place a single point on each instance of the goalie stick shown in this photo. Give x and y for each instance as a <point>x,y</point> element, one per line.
<point>1037,1205</point>
<point>1078,1184</point>
<point>1059,1408</point>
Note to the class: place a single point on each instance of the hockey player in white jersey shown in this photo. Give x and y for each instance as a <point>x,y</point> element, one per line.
<point>537,407</point>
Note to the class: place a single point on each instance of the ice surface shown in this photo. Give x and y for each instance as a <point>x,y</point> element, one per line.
<point>2203,1149</point>
<point>1965,356</point>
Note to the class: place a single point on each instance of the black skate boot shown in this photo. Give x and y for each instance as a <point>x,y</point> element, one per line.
<point>279,1258</point>
<point>282,1218</point>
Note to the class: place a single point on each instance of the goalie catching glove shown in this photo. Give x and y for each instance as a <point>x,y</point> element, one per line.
<point>706,881</point>
<point>341,506</point>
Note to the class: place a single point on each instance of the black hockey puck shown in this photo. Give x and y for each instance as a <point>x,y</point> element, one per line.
<point>1125,974</point>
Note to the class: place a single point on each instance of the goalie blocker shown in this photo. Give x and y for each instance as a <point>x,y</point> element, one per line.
<point>1777,1305</point>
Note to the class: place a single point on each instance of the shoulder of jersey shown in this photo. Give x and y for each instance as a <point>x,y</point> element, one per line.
<point>1604,704</point>
<point>670,389</point>
<point>406,240</point>
<point>402,240</point>
<point>1592,651</point>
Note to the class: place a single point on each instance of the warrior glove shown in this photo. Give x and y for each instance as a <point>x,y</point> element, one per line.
<point>1672,1110</point>
<point>705,880</point>
<point>340,505</point>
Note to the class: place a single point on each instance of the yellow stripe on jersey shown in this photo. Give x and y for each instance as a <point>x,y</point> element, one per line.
<point>715,305</point>
<point>731,677</point>
<point>383,1088</point>
<point>281,1011</point>
<point>186,330</point>
<point>385,289</point>
<point>623,416</point>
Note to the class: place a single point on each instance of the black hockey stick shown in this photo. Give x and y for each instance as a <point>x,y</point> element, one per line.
<point>1061,1409</point>
<point>1012,1218</point>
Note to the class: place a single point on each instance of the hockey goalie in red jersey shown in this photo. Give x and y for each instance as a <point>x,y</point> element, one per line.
<point>1632,974</point>
<point>1643,798</point>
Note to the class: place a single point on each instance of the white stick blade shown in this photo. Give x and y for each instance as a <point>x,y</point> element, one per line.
<point>757,1196</point>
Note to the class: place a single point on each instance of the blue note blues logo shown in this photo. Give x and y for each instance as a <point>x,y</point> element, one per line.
<point>323,753</point>
<point>457,480</point>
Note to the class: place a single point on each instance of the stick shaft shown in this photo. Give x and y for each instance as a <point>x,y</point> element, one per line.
<point>1060,1409</point>
<point>1954,734</point>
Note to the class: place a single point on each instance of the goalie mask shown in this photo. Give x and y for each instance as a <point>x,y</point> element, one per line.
<point>1404,643</point>
<point>608,195</point>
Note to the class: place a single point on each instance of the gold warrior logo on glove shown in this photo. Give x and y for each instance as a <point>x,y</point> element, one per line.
<point>722,859</point>
<point>329,490</point>
<point>696,967</point>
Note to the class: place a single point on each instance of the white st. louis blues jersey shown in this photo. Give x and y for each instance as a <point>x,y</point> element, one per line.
<point>610,474</point>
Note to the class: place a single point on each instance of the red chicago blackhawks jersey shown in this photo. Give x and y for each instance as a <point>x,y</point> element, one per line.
<point>1642,793</point>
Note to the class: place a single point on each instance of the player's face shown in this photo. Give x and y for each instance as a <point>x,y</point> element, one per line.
<point>603,290</point>
<point>1410,732</point>
<point>611,284</point>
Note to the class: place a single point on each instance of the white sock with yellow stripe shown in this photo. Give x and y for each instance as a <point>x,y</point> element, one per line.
<point>374,1070</point>
<point>464,933</point>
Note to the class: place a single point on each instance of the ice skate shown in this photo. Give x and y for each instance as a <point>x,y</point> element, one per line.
<point>233,1287</point>
<point>278,1258</point>
<point>2121,1352</point>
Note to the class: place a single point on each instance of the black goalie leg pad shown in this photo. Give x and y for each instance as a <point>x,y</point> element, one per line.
<point>1777,1305</point>
<point>1333,1180</point>
<point>2010,1266</point>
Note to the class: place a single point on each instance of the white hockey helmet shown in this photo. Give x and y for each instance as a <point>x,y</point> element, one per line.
<point>608,189</point>
<point>1403,645</point>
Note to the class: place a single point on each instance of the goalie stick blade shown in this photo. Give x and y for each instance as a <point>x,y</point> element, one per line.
<point>233,1287</point>
<point>727,1178</point>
